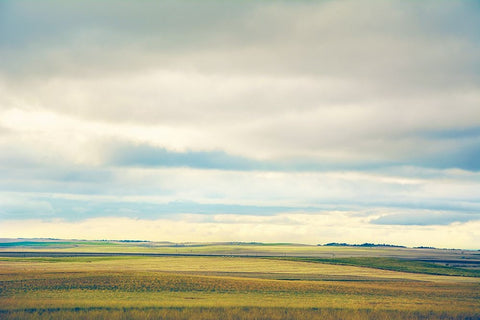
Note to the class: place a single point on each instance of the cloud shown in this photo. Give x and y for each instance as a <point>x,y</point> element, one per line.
<point>145,155</point>
<point>231,107</point>
<point>425,218</point>
<point>12,208</point>
<point>346,37</point>
<point>39,136</point>
<point>124,153</point>
<point>461,154</point>
<point>78,208</point>
<point>453,134</point>
<point>151,192</point>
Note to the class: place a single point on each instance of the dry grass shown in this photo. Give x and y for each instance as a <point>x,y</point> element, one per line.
<point>251,267</point>
<point>239,249</point>
<point>191,288</point>
<point>228,314</point>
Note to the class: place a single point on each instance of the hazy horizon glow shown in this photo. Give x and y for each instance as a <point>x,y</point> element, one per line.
<point>281,121</point>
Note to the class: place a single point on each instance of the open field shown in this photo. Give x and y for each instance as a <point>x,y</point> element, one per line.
<point>233,249</point>
<point>396,264</point>
<point>226,287</point>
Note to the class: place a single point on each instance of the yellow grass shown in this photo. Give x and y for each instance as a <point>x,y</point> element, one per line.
<point>249,249</point>
<point>255,266</point>
<point>211,287</point>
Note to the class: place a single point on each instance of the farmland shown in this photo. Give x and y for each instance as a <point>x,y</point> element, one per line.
<point>233,282</point>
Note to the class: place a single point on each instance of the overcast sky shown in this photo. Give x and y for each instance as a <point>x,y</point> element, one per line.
<point>292,121</point>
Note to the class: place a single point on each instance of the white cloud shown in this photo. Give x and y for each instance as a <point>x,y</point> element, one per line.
<point>257,117</point>
<point>151,190</point>
<point>297,90</point>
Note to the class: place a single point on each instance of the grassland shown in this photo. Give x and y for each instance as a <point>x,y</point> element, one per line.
<point>394,264</point>
<point>228,287</point>
<point>259,249</point>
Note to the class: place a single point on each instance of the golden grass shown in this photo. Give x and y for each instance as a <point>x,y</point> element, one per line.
<point>228,314</point>
<point>227,249</point>
<point>190,288</point>
<point>253,267</point>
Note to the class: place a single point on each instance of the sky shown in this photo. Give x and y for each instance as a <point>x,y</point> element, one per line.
<point>268,121</point>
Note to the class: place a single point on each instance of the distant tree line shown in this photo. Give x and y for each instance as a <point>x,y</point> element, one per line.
<point>366,244</point>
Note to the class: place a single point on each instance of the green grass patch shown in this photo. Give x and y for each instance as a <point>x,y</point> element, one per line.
<point>393,265</point>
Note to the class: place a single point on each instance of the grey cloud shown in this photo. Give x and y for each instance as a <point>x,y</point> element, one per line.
<point>395,41</point>
<point>25,209</point>
<point>454,133</point>
<point>286,122</point>
<point>288,86</point>
<point>395,54</point>
<point>145,155</point>
<point>92,36</point>
<point>327,80</point>
<point>344,109</point>
<point>129,154</point>
<point>425,219</point>
<point>463,156</point>
<point>75,209</point>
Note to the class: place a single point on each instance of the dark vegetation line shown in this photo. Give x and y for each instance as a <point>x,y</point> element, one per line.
<point>366,244</point>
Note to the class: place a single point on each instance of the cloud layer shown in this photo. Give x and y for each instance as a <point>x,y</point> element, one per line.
<point>153,110</point>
